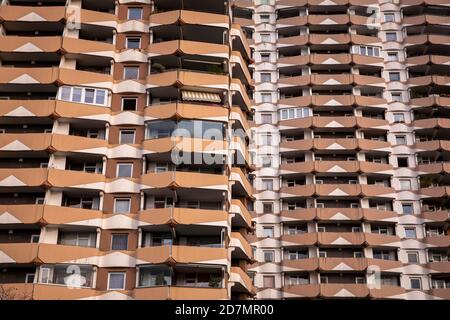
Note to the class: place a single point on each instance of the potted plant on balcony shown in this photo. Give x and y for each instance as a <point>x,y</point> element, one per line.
<point>214,282</point>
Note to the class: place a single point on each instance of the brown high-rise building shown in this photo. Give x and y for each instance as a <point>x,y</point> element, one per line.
<point>190,149</point>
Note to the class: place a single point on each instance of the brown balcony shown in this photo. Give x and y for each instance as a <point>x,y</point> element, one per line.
<point>181,254</point>
<point>292,21</point>
<point>67,143</point>
<point>21,177</point>
<point>308,264</point>
<point>435,192</point>
<point>25,141</point>
<point>301,291</point>
<point>429,80</point>
<point>432,145</point>
<point>185,216</point>
<point>387,292</point>
<point>242,214</point>
<point>375,240</point>
<point>19,252</point>
<point>242,282</point>
<point>303,239</point>
<point>328,19</point>
<point>239,178</point>
<point>188,47</point>
<point>98,18</point>
<point>19,44</point>
<point>188,78</point>
<point>341,238</point>
<point>298,215</point>
<point>185,144</point>
<point>426,39</point>
<point>438,241</point>
<point>75,179</point>
<point>27,14</point>
<point>189,17</point>
<point>55,292</point>
<point>180,293</point>
<point>178,179</point>
<point>58,253</point>
<point>432,123</point>
<point>438,267</point>
<point>297,191</point>
<point>338,264</point>
<point>347,290</point>
<point>436,216</point>
<point>39,108</point>
<point>443,293</point>
<point>186,111</point>
<point>241,246</point>
<point>425,19</point>
<point>427,59</point>
<point>433,168</point>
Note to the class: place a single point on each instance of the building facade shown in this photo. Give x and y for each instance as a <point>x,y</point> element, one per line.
<point>351,183</point>
<point>168,149</point>
<point>120,175</point>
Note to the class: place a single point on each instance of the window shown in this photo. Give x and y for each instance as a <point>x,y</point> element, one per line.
<point>266,77</point>
<point>269,255</point>
<point>266,139</point>
<point>267,207</point>
<point>34,238</point>
<point>358,254</point>
<point>264,18</point>
<point>269,281</point>
<point>413,256</point>
<point>410,232</point>
<point>360,280</point>
<point>392,56</point>
<point>126,136</point>
<point>416,283</point>
<point>133,43</point>
<point>396,96</point>
<point>405,184</point>
<point>266,97</point>
<point>135,13</point>
<point>266,162</point>
<point>265,57</point>
<point>267,184</point>
<point>394,76</point>
<point>402,162</point>
<point>268,232</point>
<point>122,205</point>
<point>130,73</point>
<point>264,2</point>
<point>399,118</point>
<point>369,51</point>
<point>124,170</point>
<point>389,17</point>
<point>407,208</point>
<point>116,281</point>
<point>129,104</point>
<point>400,139</point>
<point>266,118</point>
<point>83,95</point>
<point>391,36</point>
<point>265,37</point>
<point>294,113</point>
<point>29,278</point>
<point>119,241</point>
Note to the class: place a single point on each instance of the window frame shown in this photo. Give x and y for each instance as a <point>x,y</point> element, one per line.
<point>124,280</point>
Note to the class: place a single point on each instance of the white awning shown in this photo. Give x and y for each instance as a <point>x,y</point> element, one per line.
<point>200,96</point>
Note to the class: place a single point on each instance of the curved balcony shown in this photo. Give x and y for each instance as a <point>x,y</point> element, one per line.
<point>181,254</point>
<point>180,293</point>
<point>432,145</point>
<point>429,80</point>
<point>178,179</point>
<point>25,142</point>
<point>442,293</point>
<point>334,122</point>
<point>242,215</point>
<point>188,78</point>
<point>334,144</point>
<point>307,265</point>
<point>18,252</point>
<point>438,267</point>
<point>38,291</point>
<point>301,291</point>
<point>32,108</point>
<point>376,240</point>
<point>183,216</point>
<point>184,144</point>
<point>338,214</point>
<point>425,19</point>
<point>436,216</point>
<point>189,17</point>
<point>24,177</point>
<point>341,238</point>
<point>433,168</point>
<point>387,292</point>
<point>189,48</point>
<point>344,290</point>
<point>58,253</point>
<point>31,14</point>
<point>239,180</point>
<point>240,246</point>
<point>299,240</point>
<point>431,100</point>
<point>334,19</point>
<point>432,123</point>
<point>241,281</point>
<point>438,242</point>
<point>422,39</point>
<point>181,110</point>
<point>427,59</point>
<point>435,192</point>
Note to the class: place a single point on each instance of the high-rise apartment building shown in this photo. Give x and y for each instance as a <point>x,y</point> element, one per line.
<point>119,175</point>
<point>351,136</point>
<point>246,149</point>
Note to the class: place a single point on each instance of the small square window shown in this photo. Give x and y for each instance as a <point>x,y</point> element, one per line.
<point>119,241</point>
<point>129,104</point>
<point>127,136</point>
<point>394,76</point>
<point>400,139</point>
<point>267,207</point>
<point>133,43</point>
<point>416,283</point>
<point>405,184</point>
<point>265,37</point>
<point>122,205</point>
<point>267,184</point>
<point>135,13</point>
<point>265,57</point>
<point>266,118</point>
<point>269,255</point>
<point>392,56</point>
<point>269,281</point>
<point>131,73</point>
<point>124,170</point>
<point>399,118</point>
<point>391,36</point>
<point>266,162</point>
<point>402,162</point>
<point>389,17</point>
<point>268,232</point>
<point>413,256</point>
<point>266,77</point>
<point>266,97</point>
<point>407,208</point>
<point>396,96</point>
<point>266,140</point>
<point>265,18</point>
<point>116,281</point>
<point>410,232</point>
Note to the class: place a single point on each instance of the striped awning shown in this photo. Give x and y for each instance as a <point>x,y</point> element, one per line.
<point>200,96</point>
